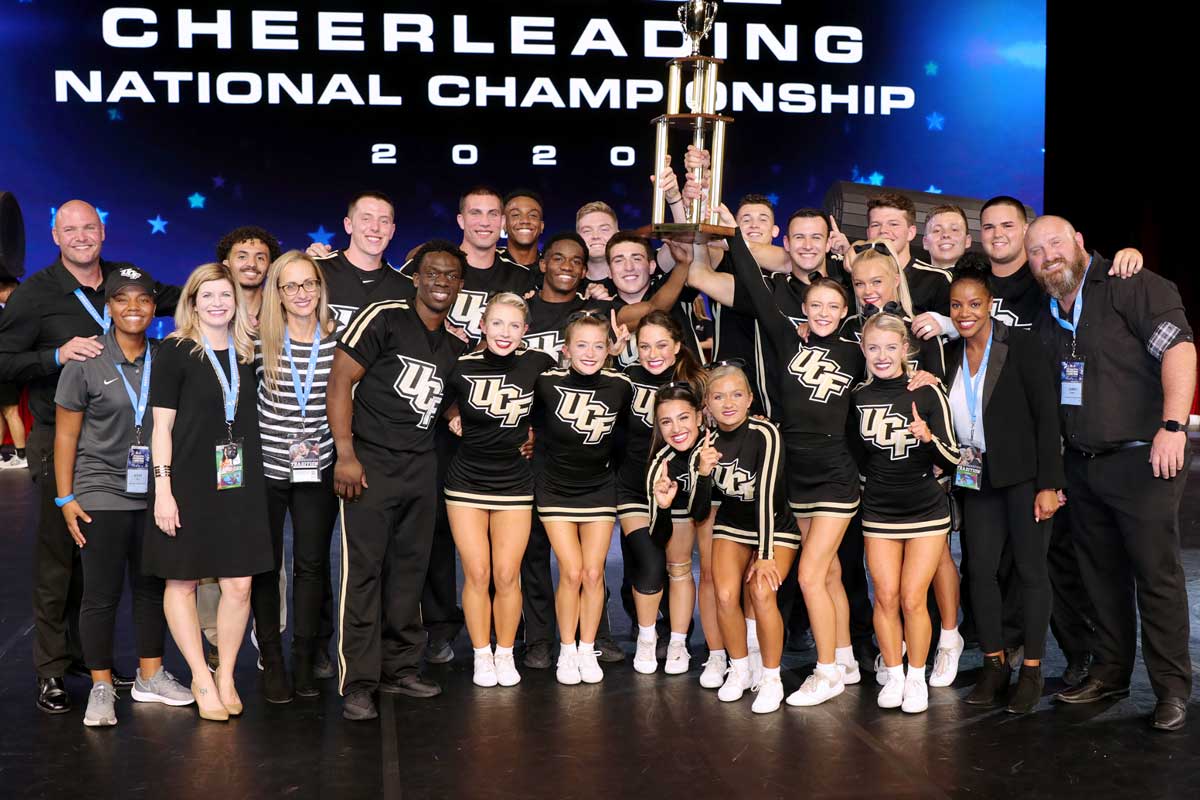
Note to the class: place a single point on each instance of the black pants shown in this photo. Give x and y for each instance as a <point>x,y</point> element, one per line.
<point>57,572</point>
<point>114,540</point>
<point>313,507</point>
<point>1072,613</point>
<point>386,536</point>
<point>994,518</point>
<point>440,613</point>
<point>537,588</point>
<point>851,557</point>
<point>1125,523</point>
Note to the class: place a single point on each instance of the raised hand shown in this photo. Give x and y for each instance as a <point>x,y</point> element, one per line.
<point>919,428</point>
<point>838,243</point>
<point>664,488</point>
<point>621,332</point>
<point>708,456</point>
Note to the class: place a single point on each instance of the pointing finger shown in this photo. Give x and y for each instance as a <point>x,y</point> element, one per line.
<point>916,414</point>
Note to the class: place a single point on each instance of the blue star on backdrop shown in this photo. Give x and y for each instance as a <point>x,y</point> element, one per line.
<point>933,189</point>
<point>931,69</point>
<point>935,121</point>
<point>102,214</point>
<point>218,181</point>
<point>158,225</point>
<point>196,200</point>
<point>321,235</point>
<point>114,115</point>
<point>875,179</point>
<point>774,198</point>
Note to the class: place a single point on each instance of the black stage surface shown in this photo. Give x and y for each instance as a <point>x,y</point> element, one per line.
<point>631,736</point>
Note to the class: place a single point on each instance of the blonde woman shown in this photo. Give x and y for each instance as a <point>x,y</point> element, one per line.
<point>293,356</point>
<point>208,492</point>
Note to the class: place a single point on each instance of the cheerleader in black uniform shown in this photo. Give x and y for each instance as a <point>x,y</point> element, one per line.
<point>661,360</point>
<point>879,284</point>
<point>906,514</point>
<point>575,491</point>
<point>755,537</point>
<point>822,479</point>
<point>489,484</point>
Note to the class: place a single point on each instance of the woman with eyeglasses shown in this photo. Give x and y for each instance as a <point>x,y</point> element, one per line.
<point>880,286</point>
<point>755,537</point>
<point>293,355</point>
<point>662,358</point>
<point>208,493</point>
<point>489,483</point>
<point>575,491</point>
<point>906,514</point>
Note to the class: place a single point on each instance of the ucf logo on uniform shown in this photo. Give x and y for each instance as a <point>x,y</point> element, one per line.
<point>733,481</point>
<point>500,400</point>
<point>886,429</point>
<point>584,413</point>
<point>421,387</point>
<point>643,403</point>
<point>468,311</point>
<point>549,342</point>
<point>819,373</point>
<point>342,314</point>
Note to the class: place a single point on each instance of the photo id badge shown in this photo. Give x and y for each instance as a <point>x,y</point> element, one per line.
<point>304,456</point>
<point>137,469</point>
<point>1072,382</point>
<point>229,464</point>
<point>970,468</point>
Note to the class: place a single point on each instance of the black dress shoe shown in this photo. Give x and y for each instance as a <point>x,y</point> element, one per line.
<point>1029,690</point>
<point>52,696</point>
<point>277,686</point>
<point>439,651</point>
<point>1090,691</point>
<point>992,684</point>
<point>610,651</point>
<point>1170,714</point>
<point>119,679</point>
<point>1077,669</point>
<point>537,656</point>
<point>411,686</point>
<point>358,706</point>
<point>323,666</point>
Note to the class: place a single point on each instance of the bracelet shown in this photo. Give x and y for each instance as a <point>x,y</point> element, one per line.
<point>162,471</point>
<point>671,202</point>
<point>62,501</point>
<point>57,363</point>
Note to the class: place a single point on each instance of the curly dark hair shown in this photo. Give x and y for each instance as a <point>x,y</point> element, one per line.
<point>247,233</point>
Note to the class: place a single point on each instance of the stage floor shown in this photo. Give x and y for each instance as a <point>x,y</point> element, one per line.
<point>631,736</point>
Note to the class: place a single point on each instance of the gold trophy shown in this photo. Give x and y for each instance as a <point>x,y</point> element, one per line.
<point>696,17</point>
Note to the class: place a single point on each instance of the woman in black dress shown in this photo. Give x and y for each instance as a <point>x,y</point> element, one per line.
<point>208,493</point>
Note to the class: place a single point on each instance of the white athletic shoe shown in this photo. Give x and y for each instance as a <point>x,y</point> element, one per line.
<point>945,664</point>
<point>737,681</point>
<point>769,694</point>
<point>881,676</point>
<point>756,667</point>
<point>816,689</point>
<point>850,672</point>
<point>485,670</point>
<point>567,672</point>
<point>714,672</point>
<point>589,668</point>
<point>892,693</point>
<point>644,660</point>
<point>916,695</point>
<point>678,658</point>
<point>506,670</point>
<point>16,462</point>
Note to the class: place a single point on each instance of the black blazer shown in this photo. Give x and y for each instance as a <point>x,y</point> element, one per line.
<point>1020,409</point>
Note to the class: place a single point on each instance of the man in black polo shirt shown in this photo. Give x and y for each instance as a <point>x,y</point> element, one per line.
<point>386,393</point>
<point>523,223</point>
<point>59,315</point>
<point>1127,368</point>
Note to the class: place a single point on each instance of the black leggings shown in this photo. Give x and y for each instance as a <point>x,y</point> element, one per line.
<point>114,539</point>
<point>313,507</point>
<point>991,518</point>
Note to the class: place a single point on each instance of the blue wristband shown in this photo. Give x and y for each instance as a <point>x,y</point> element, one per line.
<point>57,363</point>
<point>62,501</point>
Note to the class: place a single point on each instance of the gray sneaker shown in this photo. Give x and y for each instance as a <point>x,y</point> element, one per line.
<point>101,708</point>
<point>161,688</point>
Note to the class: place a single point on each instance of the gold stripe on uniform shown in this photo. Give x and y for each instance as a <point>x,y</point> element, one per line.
<point>342,599</point>
<point>354,330</point>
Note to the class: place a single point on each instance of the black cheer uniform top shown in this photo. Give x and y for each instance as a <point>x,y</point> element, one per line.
<point>748,483</point>
<point>478,286</point>
<point>580,414</point>
<point>693,492</point>
<point>640,431</point>
<point>351,288</point>
<point>547,320</point>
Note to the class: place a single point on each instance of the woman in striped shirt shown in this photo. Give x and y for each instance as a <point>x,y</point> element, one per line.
<point>293,355</point>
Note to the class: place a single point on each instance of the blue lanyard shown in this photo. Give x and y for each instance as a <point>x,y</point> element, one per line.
<point>138,400</point>
<point>103,321</point>
<point>970,384</point>
<point>1071,327</point>
<point>229,388</point>
<point>305,392</point>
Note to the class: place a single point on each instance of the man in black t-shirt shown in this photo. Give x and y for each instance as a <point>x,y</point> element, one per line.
<point>249,252</point>
<point>524,223</point>
<point>385,396</point>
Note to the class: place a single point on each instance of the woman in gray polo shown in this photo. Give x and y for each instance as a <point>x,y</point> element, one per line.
<point>102,469</point>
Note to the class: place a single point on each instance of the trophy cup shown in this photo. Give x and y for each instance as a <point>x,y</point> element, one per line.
<point>696,17</point>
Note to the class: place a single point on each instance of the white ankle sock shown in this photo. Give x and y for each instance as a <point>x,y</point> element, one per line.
<point>740,664</point>
<point>567,647</point>
<point>829,671</point>
<point>587,647</point>
<point>770,672</point>
<point>503,651</point>
<point>916,673</point>
<point>716,654</point>
<point>896,672</point>
<point>948,637</point>
<point>844,655</point>
<point>647,633</point>
<point>484,651</point>
<point>752,633</point>
<point>678,637</point>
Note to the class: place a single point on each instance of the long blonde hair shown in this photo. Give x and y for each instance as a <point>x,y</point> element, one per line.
<point>903,295</point>
<point>187,321</point>
<point>889,323</point>
<point>272,319</point>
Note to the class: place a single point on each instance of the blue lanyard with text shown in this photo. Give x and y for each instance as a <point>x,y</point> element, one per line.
<point>138,400</point>
<point>229,388</point>
<point>305,392</point>
<point>105,322</point>
<point>970,383</point>
<point>1071,327</point>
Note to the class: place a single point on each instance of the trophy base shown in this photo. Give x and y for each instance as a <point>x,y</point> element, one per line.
<point>691,232</point>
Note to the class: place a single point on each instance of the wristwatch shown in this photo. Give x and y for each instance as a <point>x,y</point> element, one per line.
<point>1173,426</point>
